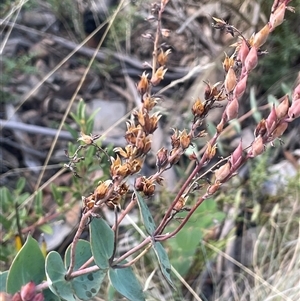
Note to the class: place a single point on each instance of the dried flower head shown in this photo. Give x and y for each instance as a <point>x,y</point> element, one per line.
<point>143,84</point>
<point>228,62</point>
<point>163,56</point>
<point>162,158</point>
<point>210,151</point>
<point>184,139</point>
<point>102,189</point>
<point>198,108</point>
<point>87,139</point>
<point>261,129</point>
<point>158,76</point>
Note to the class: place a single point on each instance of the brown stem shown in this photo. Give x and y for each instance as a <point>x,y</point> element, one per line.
<point>146,241</point>
<point>79,231</point>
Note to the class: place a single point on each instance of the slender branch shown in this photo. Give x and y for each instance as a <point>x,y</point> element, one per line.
<point>133,261</point>
<point>79,231</point>
<point>146,241</point>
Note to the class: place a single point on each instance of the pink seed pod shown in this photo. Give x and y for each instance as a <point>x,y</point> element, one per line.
<point>240,88</point>
<point>271,119</point>
<point>236,156</point>
<point>243,52</point>
<point>257,147</point>
<point>294,110</point>
<point>280,129</point>
<point>222,173</point>
<point>251,59</point>
<point>276,18</point>
<point>283,107</point>
<point>232,109</point>
<point>28,291</point>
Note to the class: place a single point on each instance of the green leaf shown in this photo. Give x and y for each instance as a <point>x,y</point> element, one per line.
<point>55,272</point>
<point>3,278</point>
<point>49,296</point>
<point>20,185</point>
<point>28,265</point>
<point>163,261</point>
<point>7,196</point>
<point>125,282</point>
<point>46,228</point>
<point>5,222</point>
<point>102,242</point>
<point>146,216</point>
<point>85,286</point>
<point>38,200</point>
<point>73,132</point>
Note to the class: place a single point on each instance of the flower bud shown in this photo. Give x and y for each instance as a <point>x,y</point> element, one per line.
<point>261,37</point>
<point>28,291</point>
<point>232,109</point>
<point>240,88</point>
<point>257,147</point>
<point>271,119</point>
<point>139,183</point>
<point>294,110</point>
<point>243,52</point>
<point>280,129</point>
<point>180,204</point>
<point>283,107</point>
<point>228,62</point>
<point>213,188</point>
<point>16,297</point>
<point>296,92</point>
<point>223,172</point>
<point>162,158</point>
<point>230,80</point>
<point>277,16</point>
<point>237,155</point>
<point>251,59</point>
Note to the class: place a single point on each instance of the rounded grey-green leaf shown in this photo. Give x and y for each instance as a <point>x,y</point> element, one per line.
<point>126,283</point>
